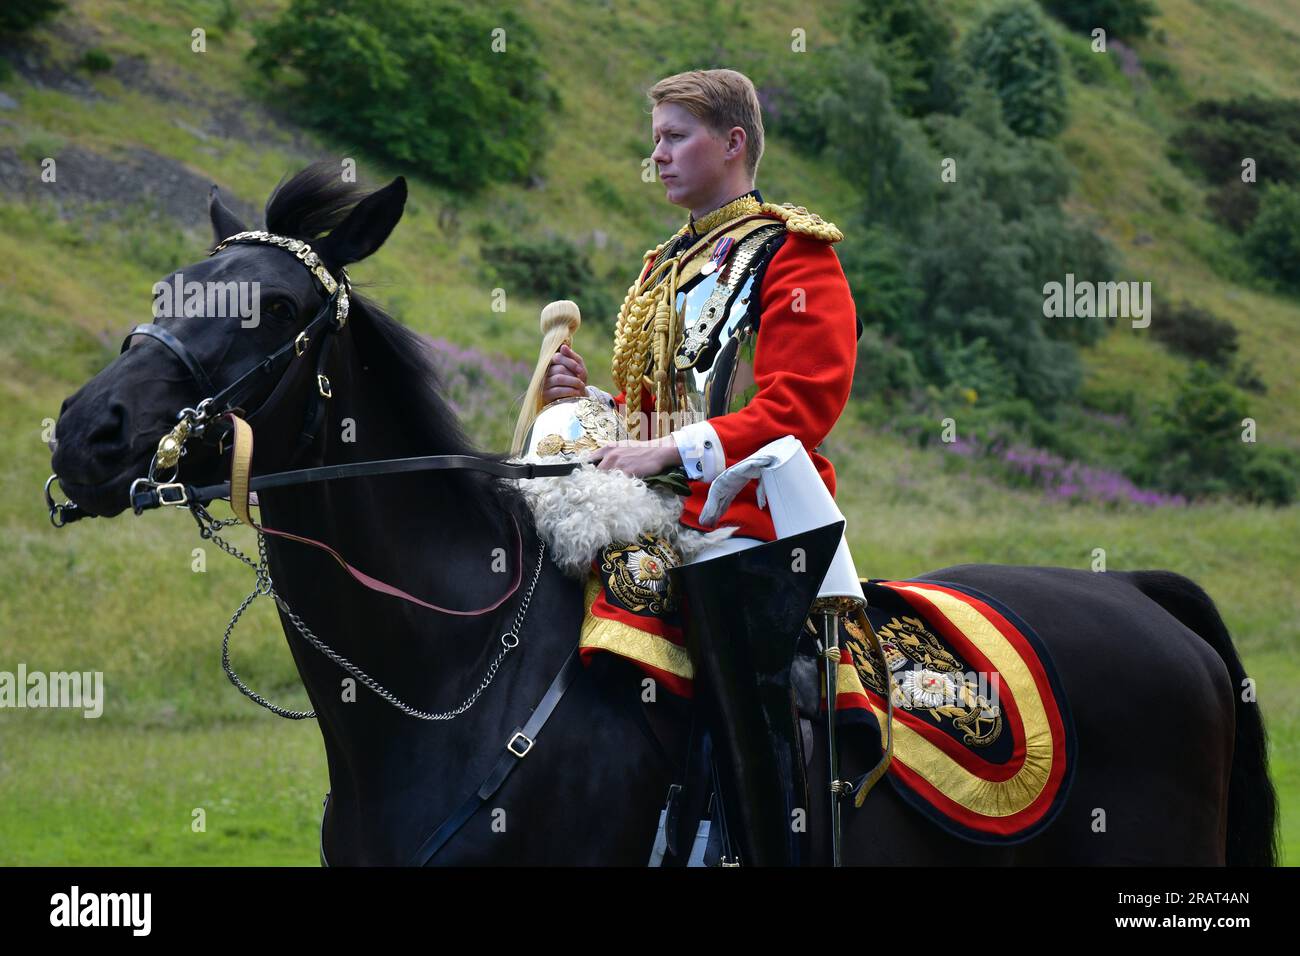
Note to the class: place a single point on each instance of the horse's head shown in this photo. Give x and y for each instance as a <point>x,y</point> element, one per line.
<point>215,324</point>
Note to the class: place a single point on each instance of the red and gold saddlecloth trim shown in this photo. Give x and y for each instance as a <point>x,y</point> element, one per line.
<point>631,611</point>
<point>996,769</point>
<point>990,767</point>
<point>657,651</point>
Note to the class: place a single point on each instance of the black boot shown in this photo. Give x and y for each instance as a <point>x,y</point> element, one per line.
<point>742,615</point>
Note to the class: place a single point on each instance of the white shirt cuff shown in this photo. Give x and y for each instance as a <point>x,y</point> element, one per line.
<point>600,395</point>
<point>701,451</point>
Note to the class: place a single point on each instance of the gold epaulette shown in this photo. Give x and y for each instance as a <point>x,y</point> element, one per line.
<point>800,220</point>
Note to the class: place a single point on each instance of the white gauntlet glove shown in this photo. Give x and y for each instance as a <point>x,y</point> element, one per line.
<point>724,488</point>
<point>799,501</point>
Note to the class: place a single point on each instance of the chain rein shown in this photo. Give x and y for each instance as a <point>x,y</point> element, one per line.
<point>210,528</point>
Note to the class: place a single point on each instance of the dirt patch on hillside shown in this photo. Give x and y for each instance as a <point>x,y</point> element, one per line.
<point>132,179</point>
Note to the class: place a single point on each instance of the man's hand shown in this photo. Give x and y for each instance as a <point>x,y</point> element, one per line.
<point>566,378</point>
<point>638,458</point>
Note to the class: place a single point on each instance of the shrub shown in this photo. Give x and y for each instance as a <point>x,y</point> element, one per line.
<point>1268,476</point>
<point>791,108</point>
<point>1124,18</point>
<point>550,269</point>
<point>415,82</point>
<point>1248,379</point>
<point>1196,449</point>
<point>1194,332</point>
<point>1219,134</point>
<point>884,370</point>
<point>1012,50</point>
<point>1234,204</point>
<point>882,153</point>
<point>884,291</point>
<point>974,371</point>
<point>912,42</point>
<point>1273,240</point>
<point>1089,67</point>
<point>19,16</point>
<point>227,16</point>
<point>96,61</point>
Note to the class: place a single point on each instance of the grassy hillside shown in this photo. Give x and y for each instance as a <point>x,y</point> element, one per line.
<point>136,147</point>
<point>1156,214</point>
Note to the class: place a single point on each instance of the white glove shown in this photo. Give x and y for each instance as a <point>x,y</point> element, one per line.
<point>729,483</point>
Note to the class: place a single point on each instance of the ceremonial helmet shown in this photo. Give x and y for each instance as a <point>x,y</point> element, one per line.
<point>566,427</point>
<point>570,426</point>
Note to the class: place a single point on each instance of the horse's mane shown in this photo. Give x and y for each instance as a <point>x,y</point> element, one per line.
<point>310,204</point>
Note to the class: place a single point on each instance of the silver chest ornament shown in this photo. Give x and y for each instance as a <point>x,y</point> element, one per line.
<point>714,311</point>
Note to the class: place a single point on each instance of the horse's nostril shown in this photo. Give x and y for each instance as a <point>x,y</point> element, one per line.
<point>110,428</point>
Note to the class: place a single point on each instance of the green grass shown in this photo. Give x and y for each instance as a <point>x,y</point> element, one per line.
<point>121,597</point>
<point>124,796</point>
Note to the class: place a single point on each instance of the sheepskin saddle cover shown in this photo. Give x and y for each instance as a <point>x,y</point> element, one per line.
<point>580,514</point>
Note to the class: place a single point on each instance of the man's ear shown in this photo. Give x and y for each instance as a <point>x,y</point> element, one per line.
<point>367,226</point>
<point>224,222</point>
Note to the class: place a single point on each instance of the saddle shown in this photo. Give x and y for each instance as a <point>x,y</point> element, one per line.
<point>984,745</point>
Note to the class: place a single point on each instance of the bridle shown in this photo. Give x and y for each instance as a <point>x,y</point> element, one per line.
<point>210,419</point>
<point>202,421</point>
<point>219,417</point>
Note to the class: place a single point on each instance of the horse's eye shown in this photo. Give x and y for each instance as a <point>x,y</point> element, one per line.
<point>279,310</point>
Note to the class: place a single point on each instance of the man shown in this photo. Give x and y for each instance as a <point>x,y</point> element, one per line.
<point>739,330</point>
<point>708,136</point>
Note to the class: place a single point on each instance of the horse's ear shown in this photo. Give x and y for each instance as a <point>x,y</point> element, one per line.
<point>367,226</point>
<point>224,222</point>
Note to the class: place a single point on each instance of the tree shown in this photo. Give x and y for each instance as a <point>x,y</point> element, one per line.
<point>416,82</point>
<point>1012,50</point>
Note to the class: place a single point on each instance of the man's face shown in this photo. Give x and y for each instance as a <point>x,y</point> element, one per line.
<point>690,157</point>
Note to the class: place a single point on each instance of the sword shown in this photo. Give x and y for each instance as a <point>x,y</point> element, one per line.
<point>829,610</point>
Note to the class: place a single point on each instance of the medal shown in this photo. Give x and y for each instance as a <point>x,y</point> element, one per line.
<point>720,250</point>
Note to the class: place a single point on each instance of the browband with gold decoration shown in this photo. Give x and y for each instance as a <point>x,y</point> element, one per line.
<point>303,251</point>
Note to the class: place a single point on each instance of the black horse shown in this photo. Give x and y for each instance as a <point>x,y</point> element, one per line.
<point>1166,746</point>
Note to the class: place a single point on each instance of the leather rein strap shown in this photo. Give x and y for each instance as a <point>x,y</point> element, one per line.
<point>241,463</point>
<point>517,747</point>
<point>522,740</point>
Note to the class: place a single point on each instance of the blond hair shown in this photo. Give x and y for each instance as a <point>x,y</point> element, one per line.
<point>722,99</point>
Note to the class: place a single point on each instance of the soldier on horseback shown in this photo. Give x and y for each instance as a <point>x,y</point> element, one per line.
<point>739,330</point>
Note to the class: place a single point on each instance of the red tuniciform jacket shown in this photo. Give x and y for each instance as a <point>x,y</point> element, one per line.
<point>803,366</point>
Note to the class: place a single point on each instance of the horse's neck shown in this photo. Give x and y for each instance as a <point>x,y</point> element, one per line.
<point>422,532</point>
<point>418,533</point>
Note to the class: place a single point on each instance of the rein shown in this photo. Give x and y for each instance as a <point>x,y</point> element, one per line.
<point>226,423</point>
<point>219,414</point>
